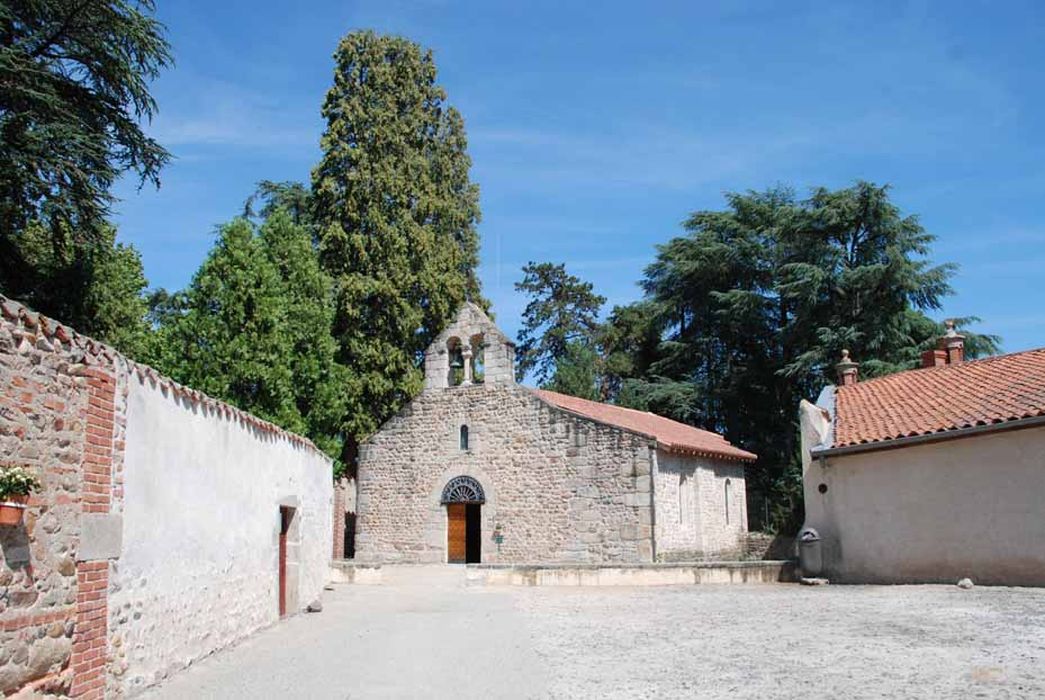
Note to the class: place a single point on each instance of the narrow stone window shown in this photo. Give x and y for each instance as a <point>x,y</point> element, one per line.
<point>685,498</point>
<point>464,437</point>
<point>728,489</point>
<point>682,500</point>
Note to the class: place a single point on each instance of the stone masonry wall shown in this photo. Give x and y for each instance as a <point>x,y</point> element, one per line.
<point>87,607</point>
<point>691,507</point>
<point>562,488</point>
<point>678,521</point>
<point>61,415</point>
<point>723,537</point>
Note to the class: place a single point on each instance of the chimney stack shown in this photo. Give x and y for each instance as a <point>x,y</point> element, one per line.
<point>846,370</point>
<point>934,358</point>
<point>952,344</point>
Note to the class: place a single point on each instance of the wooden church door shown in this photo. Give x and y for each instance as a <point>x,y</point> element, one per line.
<point>456,532</point>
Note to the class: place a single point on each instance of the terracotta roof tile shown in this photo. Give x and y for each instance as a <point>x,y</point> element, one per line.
<point>938,399</point>
<point>671,435</point>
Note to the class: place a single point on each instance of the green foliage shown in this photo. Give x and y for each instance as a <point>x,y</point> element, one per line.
<point>576,372</point>
<point>97,287</point>
<point>231,339</point>
<point>307,294</point>
<point>560,322</point>
<point>753,307</point>
<point>293,197</point>
<point>73,91</point>
<point>395,215</point>
<point>253,329</point>
<point>629,341</point>
<point>17,481</point>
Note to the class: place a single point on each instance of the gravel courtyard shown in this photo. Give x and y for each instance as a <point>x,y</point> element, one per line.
<point>423,633</point>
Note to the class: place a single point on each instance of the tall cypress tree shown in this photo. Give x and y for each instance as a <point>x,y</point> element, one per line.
<point>395,214</point>
<point>307,317</point>
<point>229,337</point>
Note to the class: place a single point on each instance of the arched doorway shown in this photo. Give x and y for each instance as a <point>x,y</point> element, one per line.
<point>463,497</point>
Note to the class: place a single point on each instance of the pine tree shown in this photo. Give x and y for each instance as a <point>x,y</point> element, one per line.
<point>753,307</point>
<point>559,322</point>
<point>395,214</point>
<point>96,286</point>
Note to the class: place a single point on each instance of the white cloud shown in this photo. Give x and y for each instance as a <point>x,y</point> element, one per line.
<point>222,114</point>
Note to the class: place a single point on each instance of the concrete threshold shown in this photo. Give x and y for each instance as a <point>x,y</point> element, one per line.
<point>662,574</point>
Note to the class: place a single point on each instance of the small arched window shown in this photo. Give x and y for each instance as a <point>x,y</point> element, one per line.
<point>464,437</point>
<point>728,489</point>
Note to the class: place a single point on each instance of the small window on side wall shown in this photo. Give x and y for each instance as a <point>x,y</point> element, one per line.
<point>464,437</point>
<point>729,487</point>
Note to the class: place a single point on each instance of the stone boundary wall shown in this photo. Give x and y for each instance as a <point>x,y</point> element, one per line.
<point>63,414</point>
<point>59,416</point>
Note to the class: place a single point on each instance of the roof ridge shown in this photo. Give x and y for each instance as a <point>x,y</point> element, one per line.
<point>927,371</point>
<point>995,390</point>
<point>671,434</point>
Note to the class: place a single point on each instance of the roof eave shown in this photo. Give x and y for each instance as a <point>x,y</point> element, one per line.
<point>940,436</point>
<point>739,456</point>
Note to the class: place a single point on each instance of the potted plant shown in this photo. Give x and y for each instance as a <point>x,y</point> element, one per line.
<point>16,483</point>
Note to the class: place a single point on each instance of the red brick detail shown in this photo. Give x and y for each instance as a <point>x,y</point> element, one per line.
<point>13,624</point>
<point>90,639</point>
<point>98,453</point>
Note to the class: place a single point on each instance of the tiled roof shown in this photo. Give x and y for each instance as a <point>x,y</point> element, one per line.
<point>671,435</point>
<point>990,391</point>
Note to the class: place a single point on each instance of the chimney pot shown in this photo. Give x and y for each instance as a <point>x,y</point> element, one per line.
<point>952,344</point>
<point>847,370</point>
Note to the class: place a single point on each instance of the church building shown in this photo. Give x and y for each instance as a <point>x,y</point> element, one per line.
<point>480,469</point>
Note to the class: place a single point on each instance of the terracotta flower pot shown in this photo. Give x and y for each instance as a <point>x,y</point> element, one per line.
<point>12,509</point>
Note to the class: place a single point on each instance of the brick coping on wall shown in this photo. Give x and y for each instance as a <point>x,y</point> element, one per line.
<point>104,371</point>
<point>49,334</point>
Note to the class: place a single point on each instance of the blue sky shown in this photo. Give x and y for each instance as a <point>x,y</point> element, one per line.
<point>595,128</point>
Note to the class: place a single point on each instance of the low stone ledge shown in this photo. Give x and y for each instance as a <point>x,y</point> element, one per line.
<point>659,574</point>
<point>348,571</point>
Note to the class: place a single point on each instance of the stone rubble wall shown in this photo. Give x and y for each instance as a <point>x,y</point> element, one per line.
<point>44,397</point>
<point>562,488</point>
<point>153,539</point>
<point>722,536</point>
<point>691,508</point>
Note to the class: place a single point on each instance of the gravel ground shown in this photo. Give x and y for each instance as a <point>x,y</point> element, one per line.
<point>424,634</point>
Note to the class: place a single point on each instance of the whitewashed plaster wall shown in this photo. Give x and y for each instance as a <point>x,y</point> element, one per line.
<point>935,512</point>
<point>198,568</point>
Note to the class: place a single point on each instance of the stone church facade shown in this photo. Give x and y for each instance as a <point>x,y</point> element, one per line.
<point>480,469</point>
